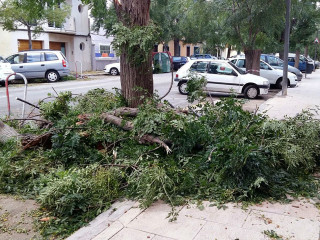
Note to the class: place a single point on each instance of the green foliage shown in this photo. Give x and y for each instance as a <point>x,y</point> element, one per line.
<point>32,14</point>
<point>135,41</point>
<point>221,153</point>
<point>77,195</point>
<point>195,88</point>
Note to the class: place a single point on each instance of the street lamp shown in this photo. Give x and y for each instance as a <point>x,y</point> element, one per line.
<point>286,49</point>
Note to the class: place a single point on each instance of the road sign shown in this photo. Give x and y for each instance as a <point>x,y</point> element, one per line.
<point>316,40</point>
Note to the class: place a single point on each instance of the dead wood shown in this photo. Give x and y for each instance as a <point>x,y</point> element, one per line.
<point>127,125</point>
<point>7,133</point>
<point>35,140</point>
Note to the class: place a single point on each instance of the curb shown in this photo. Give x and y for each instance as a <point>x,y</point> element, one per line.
<point>100,223</point>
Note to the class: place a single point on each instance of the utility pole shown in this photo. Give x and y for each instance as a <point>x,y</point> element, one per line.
<point>286,49</point>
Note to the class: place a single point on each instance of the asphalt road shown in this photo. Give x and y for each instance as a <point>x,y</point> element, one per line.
<point>39,91</point>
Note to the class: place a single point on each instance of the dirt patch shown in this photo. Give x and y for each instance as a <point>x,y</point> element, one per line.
<point>16,221</point>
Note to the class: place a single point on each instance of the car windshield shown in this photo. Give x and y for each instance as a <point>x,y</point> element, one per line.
<point>238,69</point>
<point>2,60</point>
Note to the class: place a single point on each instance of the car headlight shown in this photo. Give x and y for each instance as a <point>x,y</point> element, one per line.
<point>265,82</point>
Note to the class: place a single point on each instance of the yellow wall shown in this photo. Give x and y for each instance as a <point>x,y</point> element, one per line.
<point>183,48</point>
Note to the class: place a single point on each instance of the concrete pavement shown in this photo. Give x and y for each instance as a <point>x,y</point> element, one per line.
<point>298,220</point>
<point>305,96</point>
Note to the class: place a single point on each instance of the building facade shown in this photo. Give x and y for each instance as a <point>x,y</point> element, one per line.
<point>73,38</point>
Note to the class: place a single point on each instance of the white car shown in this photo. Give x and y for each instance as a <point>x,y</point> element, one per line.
<point>222,76</point>
<point>113,69</point>
<point>5,71</point>
<point>273,75</point>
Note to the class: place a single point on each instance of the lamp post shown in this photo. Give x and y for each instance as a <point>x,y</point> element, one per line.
<point>286,49</point>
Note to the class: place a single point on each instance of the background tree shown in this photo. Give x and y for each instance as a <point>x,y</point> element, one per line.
<point>248,23</point>
<point>32,14</point>
<point>305,16</point>
<point>169,15</point>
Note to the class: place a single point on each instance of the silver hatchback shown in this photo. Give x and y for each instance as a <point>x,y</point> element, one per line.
<point>49,64</point>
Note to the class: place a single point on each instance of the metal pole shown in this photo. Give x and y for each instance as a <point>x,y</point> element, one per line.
<point>286,49</point>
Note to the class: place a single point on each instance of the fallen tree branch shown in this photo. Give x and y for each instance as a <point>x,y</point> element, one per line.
<point>7,133</point>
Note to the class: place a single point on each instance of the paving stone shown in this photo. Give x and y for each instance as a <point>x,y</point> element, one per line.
<point>132,234</point>
<point>212,231</point>
<point>233,215</point>
<point>131,214</point>
<point>154,220</point>
<point>101,222</point>
<point>300,209</point>
<point>110,231</point>
<point>286,226</point>
<point>162,238</point>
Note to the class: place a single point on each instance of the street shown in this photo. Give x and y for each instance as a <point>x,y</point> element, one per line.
<point>39,91</point>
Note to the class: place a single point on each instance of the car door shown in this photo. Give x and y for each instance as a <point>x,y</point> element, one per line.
<point>34,65</point>
<point>267,72</point>
<point>17,63</point>
<point>222,78</point>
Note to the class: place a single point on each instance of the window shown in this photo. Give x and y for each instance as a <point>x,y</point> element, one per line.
<point>80,8</point>
<point>196,50</point>
<point>34,57</point>
<point>264,66</point>
<point>199,66</point>
<point>16,59</point>
<point>51,57</point>
<point>82,46</point>
<point>273,61</point>
<point>104,49</point>
<point>218,68</point>
<point>165,48</point>
<point>241,63</point>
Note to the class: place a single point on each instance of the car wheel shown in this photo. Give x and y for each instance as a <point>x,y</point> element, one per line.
<point>52,76</point>
<point>251,92</point>
<point>182,88</point>
<point>114,71</point>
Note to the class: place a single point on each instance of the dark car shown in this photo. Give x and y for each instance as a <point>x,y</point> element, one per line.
<point>177,62</point>
<point>277,63</point>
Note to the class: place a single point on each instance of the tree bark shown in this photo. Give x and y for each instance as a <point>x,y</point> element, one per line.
<point>29,37</point>
<point>7,133</point>
<point>306,51</point>
<point>136,80</point>
<point>253,61</point>
<point>176,47</point>
<point>297,59</point>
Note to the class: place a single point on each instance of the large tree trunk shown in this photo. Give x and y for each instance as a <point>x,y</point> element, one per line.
<point>253,61</point>
<point>297,59</point>
<point>136,80</point>
<point>7,133</point>
<point>176,47</point>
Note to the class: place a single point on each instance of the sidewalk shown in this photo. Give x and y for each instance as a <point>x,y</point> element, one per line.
<point>306,95</point>
<point>299,220</point>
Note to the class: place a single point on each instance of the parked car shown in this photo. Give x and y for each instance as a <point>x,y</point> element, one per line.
<point>302,61</point>
<point>5,71</point>
<point>222,76</point>
<point>273,75</point>
<point>49,64</point>
<point>112,68</point>
<point>177,62</point>
<point>277,63</point>
<point>202,56</point>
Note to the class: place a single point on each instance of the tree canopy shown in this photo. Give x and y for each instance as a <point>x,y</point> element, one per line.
<point>32,14</point>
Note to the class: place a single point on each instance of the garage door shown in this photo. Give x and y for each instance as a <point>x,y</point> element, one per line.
<point>24,45</point>
<point>60,46</point>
